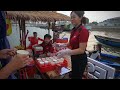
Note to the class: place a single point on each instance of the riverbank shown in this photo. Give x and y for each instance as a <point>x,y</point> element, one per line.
<point>104,28</point>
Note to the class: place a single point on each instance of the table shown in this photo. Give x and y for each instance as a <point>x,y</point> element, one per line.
<point>53,74</point>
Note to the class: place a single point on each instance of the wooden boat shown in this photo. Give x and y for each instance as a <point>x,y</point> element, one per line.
<point>108,41</point>
<point>110,60</point>
<point>113,61</point>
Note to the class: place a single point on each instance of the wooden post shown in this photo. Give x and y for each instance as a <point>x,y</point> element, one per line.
<point>22,32</point>
<point>53,28</point>
<point>48,27</point>
<point>19,22</point>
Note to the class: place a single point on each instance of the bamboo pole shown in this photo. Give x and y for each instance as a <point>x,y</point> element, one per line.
<point>19,23</point>
<point>48,27</point>
<point>23,32</point>
<point>53,27</point>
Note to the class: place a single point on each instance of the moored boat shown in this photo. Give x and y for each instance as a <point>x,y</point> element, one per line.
<point>108,41</point>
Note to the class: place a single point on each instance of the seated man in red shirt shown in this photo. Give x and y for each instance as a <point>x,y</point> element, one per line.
<point>33,40</point>
<point>47,45</point>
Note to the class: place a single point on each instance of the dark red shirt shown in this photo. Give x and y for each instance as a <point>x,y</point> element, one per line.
<point>47,47</point>
<point>78,35</point>
<point>33,41</point>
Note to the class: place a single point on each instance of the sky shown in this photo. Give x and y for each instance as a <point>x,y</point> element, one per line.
<point>97,16</point>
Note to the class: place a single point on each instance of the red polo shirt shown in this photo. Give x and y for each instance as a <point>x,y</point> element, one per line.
<point>33,41</point>
<point>47,47</point>
<point>78,35</point>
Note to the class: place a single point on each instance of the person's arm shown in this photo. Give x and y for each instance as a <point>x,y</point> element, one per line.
<point>6,53</point>
<point>80,50</point>
<point>38,45</point>
<point>83,39</point>
<point>6,71</point>
<point>16,63</point>
<point>40,39</point>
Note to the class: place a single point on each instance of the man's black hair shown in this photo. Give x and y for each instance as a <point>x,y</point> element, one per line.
<point>47,36</point>
<point>34,32</point>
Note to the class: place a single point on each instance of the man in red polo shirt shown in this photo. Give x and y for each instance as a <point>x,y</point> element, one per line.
<point>33,40</point>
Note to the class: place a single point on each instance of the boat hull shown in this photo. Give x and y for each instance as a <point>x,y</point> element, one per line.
<point>111,63</point>
<point>109,41</point>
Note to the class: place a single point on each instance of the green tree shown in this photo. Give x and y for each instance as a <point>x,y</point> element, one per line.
<point>94,22</point>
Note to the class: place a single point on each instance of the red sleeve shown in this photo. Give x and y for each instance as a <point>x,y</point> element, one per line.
<point>84,35</point>
<point>40,39</point>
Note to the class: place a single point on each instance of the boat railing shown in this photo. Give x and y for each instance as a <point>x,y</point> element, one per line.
<point>98,70</point>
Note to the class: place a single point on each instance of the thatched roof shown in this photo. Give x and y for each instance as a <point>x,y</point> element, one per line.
<point>37,16</point>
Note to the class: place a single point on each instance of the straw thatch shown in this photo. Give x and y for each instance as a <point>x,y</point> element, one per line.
<point>37,16</point>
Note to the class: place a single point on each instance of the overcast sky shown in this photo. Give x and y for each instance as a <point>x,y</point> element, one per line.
<point>97,15</point>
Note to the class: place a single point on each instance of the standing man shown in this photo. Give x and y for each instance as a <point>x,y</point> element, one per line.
<point>33,40</point>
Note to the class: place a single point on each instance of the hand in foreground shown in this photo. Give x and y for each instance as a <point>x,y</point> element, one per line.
<point>19,61</point>
<point>6,53</point>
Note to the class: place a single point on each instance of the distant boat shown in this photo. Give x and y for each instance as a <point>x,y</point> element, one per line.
<point>108,41</point>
